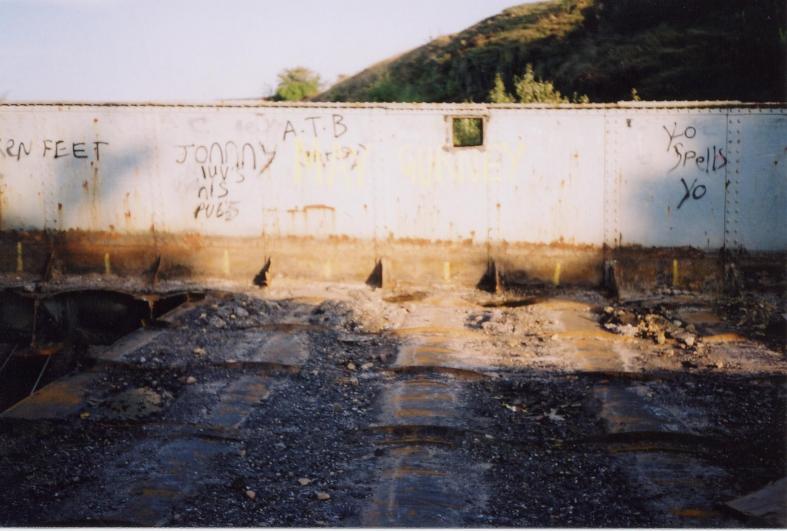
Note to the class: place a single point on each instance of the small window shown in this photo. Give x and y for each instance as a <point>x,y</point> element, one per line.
<point>468,132</point>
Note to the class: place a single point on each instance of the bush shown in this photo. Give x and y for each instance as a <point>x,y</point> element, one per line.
<point>385,89</point>
<point>528,89</point>
<point>297,84</point>
<point>498,93</point>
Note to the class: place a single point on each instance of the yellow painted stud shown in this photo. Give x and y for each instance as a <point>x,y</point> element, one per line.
<point>556,275</point>
<point>447,271</point>
<point>226,263</point>
<point>675,278</point>
<point>20,263</point>
<point>107,265</point>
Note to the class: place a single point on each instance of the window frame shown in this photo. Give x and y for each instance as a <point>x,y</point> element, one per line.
<point>452,118</point>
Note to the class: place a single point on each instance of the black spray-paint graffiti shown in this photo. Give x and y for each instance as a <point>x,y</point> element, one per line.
<point>55,149</point>
<point>213,194</point>
<point>242,157</point>
<point>706,160</point>
<point>224,165</point>
<point>316,126</point>
<point>702,159</point>
<point>693,191</point>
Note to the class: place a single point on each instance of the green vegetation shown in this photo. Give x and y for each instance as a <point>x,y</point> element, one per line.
<point>527,88</point>
<point>386,88</point>
<point>498,93</point>
<point>468,132</point>
<point>667,49</point>
<point>296,84</point>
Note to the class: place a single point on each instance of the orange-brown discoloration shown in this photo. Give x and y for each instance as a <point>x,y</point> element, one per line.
<point>57,400</point>
<point>416,412</point>
<point>405,262</point>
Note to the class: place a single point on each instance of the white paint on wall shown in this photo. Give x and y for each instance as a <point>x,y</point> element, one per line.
<point>704,177</point>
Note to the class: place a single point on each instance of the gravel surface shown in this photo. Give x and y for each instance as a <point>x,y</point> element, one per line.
<point>288,407</point>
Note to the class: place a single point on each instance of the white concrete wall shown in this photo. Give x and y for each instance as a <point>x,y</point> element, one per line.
<point>651,175</point>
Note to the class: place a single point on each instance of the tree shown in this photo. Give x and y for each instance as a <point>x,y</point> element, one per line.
<point>296,84</point>
<point>530,90</point>
<point>498,93</point>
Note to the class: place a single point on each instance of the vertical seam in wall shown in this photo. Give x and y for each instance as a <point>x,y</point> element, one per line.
<point>375,193</point>
<point>736,185</point>
<point>617,180</point>
<point>611,185</point>
<point>726,228</point>
<point>607,190</point>
<point>154,184</point>
<point>734,157</point>
<point>487,199</point>
<point>604,190</point>
<point>265,254</point>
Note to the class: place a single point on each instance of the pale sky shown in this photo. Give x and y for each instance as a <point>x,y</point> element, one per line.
<point>199,50</point>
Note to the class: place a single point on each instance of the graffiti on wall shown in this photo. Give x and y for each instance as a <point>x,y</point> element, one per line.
<point>428,166</point>
<point>51,148</point>
<point>223,168</point>
<point>315,126</point>
<point>696,160</point>
<point>319,156</point>
<point>321,165</point>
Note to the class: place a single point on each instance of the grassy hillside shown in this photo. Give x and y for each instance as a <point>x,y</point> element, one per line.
<point>665,49</point>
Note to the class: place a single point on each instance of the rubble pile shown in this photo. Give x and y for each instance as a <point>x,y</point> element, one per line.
<point>658,324</point>
<point>364,313</point>
<point>519,321</point>
<point>755,314</point>
<point>239,312</point>
<point>336,314</point>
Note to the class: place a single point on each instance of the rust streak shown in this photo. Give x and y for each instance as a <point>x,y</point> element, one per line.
<point>318,207</point>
